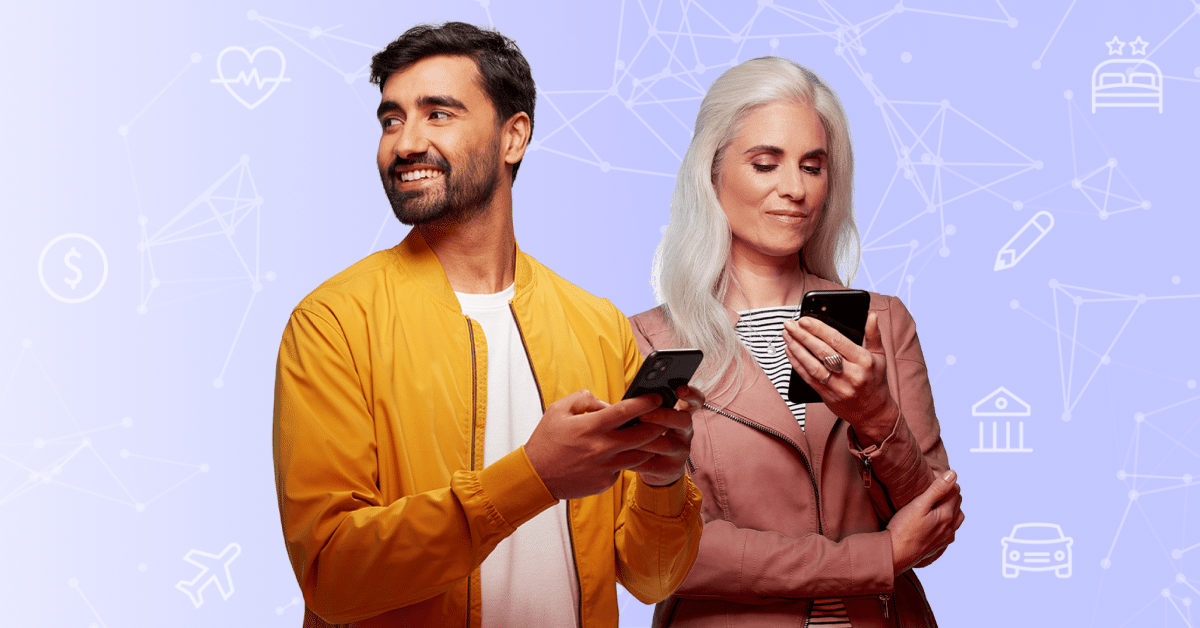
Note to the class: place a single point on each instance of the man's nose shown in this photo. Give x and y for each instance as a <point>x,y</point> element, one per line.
<point>412,141</point>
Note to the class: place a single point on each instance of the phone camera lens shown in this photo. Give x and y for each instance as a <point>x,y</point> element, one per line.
<point>653,375</point>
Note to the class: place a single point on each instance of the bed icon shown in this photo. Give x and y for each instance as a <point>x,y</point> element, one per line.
<point>1127,83</point>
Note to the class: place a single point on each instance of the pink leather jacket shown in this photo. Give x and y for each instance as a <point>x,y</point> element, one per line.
<point>791,515</point>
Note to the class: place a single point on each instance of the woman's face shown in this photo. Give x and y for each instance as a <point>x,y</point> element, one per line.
<point>772,182</point>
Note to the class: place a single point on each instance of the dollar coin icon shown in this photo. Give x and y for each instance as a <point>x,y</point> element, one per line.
<point>70,265</point>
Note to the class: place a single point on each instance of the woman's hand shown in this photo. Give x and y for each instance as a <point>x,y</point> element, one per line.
<point>923,528</point>
<point>859,394</point>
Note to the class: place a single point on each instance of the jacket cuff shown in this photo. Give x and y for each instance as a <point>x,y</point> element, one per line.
<point>872,451</point>
<point>665,501</point>
<point>871,561</point>
<point>514,488</point>
<point>897,461</point>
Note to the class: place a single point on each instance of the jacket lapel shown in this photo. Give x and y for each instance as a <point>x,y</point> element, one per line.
<point>759,400</point>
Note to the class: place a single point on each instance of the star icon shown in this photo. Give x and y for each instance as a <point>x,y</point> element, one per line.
<point>1137,46</point>
<point>1119,49</point>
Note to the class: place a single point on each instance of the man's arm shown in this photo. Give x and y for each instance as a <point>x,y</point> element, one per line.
<point>354,555</point>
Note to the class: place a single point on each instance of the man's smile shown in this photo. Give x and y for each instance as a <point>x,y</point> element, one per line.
<point>423,173</point>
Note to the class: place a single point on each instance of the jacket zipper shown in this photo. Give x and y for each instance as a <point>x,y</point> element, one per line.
<point>474,392</point>
<point>782,436</point>
<point>474,424</point>
<point>570,532</point>
<point>866,472</point>
<point>883,597</point>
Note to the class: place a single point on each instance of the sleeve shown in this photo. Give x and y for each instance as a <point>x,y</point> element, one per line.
<point>912,455</point>
<point>657,533</point>
<point>354,555</point>
<point>764,567</point>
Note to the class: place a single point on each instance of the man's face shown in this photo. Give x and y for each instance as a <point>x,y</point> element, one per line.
<point>439,155</point>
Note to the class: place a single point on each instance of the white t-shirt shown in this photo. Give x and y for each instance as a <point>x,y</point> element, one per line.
<point>529,579</point>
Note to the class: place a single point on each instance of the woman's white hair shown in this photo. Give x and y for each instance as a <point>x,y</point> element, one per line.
<point>691,276</point>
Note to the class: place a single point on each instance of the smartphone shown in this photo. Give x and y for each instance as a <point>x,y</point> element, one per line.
<point>843,310</point>
<point>662,372</point>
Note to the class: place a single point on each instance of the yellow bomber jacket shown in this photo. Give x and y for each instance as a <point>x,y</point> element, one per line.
<point>380,397</point>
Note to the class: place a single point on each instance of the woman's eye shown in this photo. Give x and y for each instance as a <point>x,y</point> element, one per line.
<point>764,167</point>
<point>811,169</point>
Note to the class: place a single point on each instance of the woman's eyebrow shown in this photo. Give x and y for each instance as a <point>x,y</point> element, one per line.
<point>764,148</point>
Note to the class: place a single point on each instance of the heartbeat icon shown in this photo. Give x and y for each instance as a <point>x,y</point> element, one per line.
<point>213,569</point>
<point>245,78</point>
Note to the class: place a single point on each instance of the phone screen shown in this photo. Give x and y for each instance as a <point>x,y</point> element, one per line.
<point>844,310</point>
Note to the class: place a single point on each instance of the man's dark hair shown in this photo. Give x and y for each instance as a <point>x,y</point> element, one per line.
<point>504,73</point>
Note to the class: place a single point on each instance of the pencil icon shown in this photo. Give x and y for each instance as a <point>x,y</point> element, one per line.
<point>1015,249</point>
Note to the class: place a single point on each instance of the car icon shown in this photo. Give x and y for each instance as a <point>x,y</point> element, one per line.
<point>1036,547</point>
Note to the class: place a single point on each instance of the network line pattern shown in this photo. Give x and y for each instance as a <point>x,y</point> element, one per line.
<point>320,37</point>
<point>665,71</point>
<point>1067,326</point>
<point>1104,187</point>
<point>660,75</point>
<point>1161,433</point>
<point>227,207</point>
<point>60,459</point>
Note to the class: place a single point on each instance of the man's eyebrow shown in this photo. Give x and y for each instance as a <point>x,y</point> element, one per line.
<point>441,101</point>
<point>386,107</point>
<point>449,102</point>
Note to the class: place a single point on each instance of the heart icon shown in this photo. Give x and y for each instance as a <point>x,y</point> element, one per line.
<point>251,77</point>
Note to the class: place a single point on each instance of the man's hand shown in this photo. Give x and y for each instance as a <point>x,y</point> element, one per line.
<point>578,451</point>
<point>926,525</point>
<point>673,447</point>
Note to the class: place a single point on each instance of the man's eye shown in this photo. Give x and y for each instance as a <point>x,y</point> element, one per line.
<point>389,122</point>
<point>439,115</point>
<point>764,167</point>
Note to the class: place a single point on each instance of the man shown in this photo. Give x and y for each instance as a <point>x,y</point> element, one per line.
<point>407,384</point>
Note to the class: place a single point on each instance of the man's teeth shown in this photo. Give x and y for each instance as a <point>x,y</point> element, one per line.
<point>413,175</point>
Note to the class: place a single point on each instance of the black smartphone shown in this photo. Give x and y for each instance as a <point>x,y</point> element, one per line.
<point>662,372</point>
<point>843,310</point>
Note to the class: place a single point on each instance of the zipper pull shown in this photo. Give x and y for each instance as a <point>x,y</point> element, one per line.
<point>884,598</point>
<point>866,473</point>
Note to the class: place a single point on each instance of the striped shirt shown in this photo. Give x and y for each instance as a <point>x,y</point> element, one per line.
<point>761,331</point>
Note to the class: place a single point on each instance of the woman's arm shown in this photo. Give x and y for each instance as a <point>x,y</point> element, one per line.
<point>884,394</point>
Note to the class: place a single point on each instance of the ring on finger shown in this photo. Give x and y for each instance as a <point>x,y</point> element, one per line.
<point>827,376</point>
<point>833,363</point>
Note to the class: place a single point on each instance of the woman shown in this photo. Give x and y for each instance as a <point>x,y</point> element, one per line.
<point>815,515</point>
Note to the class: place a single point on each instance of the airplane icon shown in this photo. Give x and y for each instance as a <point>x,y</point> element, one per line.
<point>213,569</point>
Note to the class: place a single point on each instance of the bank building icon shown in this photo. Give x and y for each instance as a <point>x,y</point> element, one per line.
<point>1003,405</point>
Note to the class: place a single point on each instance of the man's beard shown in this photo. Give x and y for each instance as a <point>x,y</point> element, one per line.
<point>463,192</point>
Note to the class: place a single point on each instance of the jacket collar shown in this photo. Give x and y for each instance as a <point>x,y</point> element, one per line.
<point>422,263</point>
